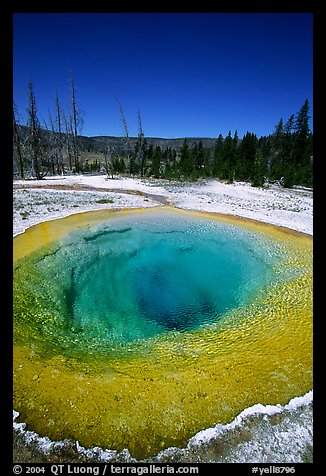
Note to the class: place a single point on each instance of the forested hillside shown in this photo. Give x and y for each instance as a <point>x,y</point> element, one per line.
<point>286,155</point>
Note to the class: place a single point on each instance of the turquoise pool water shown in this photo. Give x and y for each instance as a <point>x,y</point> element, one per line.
<point>132,278</point>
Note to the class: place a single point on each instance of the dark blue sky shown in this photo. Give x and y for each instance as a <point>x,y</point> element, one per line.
<point>189,74</point>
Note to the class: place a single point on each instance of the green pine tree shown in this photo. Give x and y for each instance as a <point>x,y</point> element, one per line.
<point>155,168</point>
<point>302,133</point>
<point>247,155</point>
<point>186,163</point>
<point>218,157</point>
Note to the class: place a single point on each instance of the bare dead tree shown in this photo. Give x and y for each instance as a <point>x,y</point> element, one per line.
<point>109,160</point>
<point>60,164</point>
<point>141,149</point>
<point>126,135</point>
<point>52,146</point>
<point>34,132</point>
<point>18,147</point>
<point>68,139</point>
<point>76,122</point>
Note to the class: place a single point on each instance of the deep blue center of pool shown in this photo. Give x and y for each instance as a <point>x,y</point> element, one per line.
<point>134,277</point>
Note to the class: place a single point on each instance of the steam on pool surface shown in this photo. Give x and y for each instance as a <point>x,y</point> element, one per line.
<point>136,330</point>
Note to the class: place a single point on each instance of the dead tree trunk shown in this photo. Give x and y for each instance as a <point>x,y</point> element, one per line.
<point>68,139</point>
<point>75,120</point>
<point>141,152</point>
<point>17,144</point>
<point>53,149</point>
<point>126,135</point>
<point>34,131</point>
<point>60,164</point>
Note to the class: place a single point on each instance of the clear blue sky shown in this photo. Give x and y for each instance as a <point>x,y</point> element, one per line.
<point>189,74</point>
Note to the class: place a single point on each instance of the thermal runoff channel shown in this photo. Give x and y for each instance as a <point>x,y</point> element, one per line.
<point>137,329</point>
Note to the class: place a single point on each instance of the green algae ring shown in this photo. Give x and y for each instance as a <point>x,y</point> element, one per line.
<point>137,329</point>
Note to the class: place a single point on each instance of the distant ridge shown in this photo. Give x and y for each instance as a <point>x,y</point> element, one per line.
<point>99,143</point>
<point>164,143</point>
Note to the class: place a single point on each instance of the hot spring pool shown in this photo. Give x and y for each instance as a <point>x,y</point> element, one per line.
<point>137,329</point>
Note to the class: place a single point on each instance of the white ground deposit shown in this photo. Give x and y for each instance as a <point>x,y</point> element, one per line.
<point>292,208</point>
